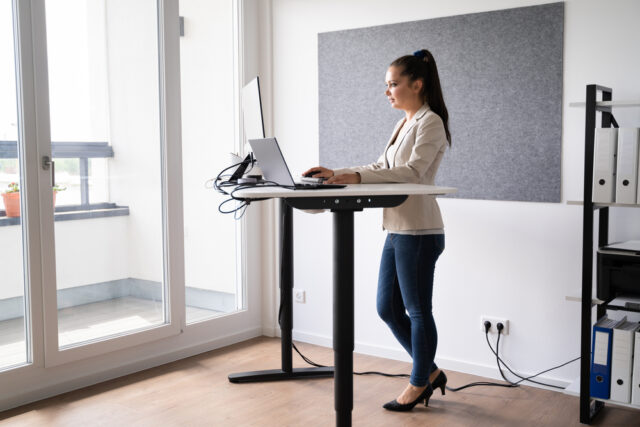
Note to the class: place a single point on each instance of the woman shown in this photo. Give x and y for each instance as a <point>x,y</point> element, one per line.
<point>415,237</point>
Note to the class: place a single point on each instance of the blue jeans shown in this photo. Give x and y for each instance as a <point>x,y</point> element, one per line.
<point>405,284</point>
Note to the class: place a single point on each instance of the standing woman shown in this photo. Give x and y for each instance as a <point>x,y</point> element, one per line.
<point>415,237</point>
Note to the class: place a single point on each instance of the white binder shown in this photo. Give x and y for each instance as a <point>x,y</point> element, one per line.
<point>635,384</point>
<point>622,361</point>
<point>604,165</point>
<point>627,168</point>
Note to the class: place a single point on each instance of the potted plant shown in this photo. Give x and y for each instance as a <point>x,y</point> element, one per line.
<point>57,188</point>
<point>11,199</point>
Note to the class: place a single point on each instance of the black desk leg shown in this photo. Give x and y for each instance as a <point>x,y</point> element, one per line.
<point>286,319</point>
<point>343,315</point>
<point>286,285</point>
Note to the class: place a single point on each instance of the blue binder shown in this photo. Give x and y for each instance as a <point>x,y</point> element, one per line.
<point>600,383</point>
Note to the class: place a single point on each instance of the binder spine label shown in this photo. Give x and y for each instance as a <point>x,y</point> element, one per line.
<point>604,165</point>
<point>601,348</point>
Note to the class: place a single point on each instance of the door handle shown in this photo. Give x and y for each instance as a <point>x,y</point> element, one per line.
<point>47,164</point>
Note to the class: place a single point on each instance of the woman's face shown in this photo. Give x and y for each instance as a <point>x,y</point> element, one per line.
<point>402,94</point>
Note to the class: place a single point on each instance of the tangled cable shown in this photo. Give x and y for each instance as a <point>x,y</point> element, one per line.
<point>221,185</point>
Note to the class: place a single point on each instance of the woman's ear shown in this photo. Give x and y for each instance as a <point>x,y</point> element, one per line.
<point>416,86</point>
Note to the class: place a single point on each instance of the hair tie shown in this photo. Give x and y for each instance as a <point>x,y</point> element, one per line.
<point>420,54</point>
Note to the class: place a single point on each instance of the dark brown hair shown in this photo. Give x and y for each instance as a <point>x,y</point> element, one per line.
<point>421,65</point>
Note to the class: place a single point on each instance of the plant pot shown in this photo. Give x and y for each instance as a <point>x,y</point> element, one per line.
<point>11,204</point>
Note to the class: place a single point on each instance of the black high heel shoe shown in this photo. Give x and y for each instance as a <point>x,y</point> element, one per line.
<point>440,382</point>
<point>424,397</point>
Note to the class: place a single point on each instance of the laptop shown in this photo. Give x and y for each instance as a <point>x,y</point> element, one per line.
<point>274,167</point>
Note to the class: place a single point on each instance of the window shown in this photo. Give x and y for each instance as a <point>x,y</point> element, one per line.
<point>209,88</point>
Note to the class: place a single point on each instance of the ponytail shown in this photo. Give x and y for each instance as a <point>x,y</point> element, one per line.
<point>421,65</point>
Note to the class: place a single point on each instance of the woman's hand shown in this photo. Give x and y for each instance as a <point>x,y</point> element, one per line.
<point>345,178</point>
<point>319,172</point>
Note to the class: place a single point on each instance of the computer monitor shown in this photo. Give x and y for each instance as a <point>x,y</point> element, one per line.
<point>252,111</point>
<point>252,120</point>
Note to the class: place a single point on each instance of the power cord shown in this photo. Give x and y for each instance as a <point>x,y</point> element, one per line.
<point>221,185</point>
<point>499,361</point>
<point>317,365</point>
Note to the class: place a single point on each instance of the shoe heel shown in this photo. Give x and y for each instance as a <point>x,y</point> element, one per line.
<point>440,382</point>
<point>428,394</point>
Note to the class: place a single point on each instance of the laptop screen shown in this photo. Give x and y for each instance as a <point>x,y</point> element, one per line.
<point>271,161</point>
<point>252,110</point>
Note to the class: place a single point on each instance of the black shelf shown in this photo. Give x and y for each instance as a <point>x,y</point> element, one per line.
<point>590,407</point>
<point>622,308</point>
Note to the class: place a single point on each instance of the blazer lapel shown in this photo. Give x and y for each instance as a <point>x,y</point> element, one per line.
<point>392,139</point>
<point>419,114</point>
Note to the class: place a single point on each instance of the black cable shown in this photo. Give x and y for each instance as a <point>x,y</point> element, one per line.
<point>281,307</point>
<point>499,359</point>
<point>509,384</point>
<point>317,365</point>
<point>220,186</point>
<point>486,383</point>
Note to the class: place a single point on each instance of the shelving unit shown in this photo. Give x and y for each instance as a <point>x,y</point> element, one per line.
<point>635,103</point>
<point>589,407</point>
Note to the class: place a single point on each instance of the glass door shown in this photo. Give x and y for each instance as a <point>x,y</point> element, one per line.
<point>209,90</point>
<point>95,263</point>
<point>14,324</point>
<point>106,85</point>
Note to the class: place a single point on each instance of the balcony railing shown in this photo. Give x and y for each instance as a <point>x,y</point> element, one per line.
<point>83,151</point>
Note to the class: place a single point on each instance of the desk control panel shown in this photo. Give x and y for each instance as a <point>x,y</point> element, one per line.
<point>348,203</point>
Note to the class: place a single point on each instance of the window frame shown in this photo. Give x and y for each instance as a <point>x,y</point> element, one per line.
<point>36,379</point>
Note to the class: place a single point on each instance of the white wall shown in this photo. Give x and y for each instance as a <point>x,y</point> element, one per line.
<point>514,260</point>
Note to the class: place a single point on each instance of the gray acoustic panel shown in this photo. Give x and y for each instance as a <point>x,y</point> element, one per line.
<point>501,74</point>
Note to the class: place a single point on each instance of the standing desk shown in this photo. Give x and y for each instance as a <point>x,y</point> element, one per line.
<point>342,202</point>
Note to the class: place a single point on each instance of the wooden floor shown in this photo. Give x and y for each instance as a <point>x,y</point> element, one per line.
<point>196,392</point>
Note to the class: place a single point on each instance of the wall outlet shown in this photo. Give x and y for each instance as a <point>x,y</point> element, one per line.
<point>299,296</point>
<point>494,322</point>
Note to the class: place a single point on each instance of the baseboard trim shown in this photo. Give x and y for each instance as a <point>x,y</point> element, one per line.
<point>453,364</point>
<point>270,332</point>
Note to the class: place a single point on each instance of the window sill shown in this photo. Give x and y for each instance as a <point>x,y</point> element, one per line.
<point>72,213</point>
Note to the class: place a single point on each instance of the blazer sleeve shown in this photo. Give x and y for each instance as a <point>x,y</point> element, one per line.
<point>379,164</point>
<point>429,140</point>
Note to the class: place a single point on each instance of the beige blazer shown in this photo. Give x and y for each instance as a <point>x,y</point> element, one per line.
<point>422,144</point>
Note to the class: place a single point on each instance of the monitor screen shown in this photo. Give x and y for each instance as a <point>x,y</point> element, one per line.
<point>252,111</point>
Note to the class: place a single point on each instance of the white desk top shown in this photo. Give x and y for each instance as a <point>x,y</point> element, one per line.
<point>350,190</point>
